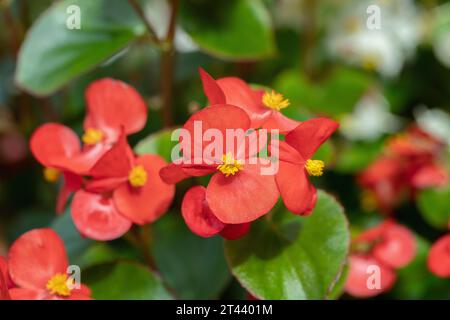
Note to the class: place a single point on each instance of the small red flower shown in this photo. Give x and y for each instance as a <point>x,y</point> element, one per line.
<point>388,246</point>
<point>410,162</point>
<point>296,163</point>
<point>124,189</point>
<point>112,106</point>
<point>237,192</point>
<point>439,257</point>
<point>38,263</point>
<point>263,108</point>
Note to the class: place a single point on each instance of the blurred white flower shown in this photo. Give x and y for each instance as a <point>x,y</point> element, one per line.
<point>288,13</point>
<point>385,49</point>
<point>441,34</point>
<point>370,119</point>
<point>434,121</point>
<point>158,13</point>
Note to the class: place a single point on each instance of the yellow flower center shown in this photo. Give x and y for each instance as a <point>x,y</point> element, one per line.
<point>60,284</point>
<point>137,176</point>
<point>51,174</point>
<point>230,166</point>
<point>274,100</point>
<point>314,167</point>
<point>92,136</point>
<point>370,62</point>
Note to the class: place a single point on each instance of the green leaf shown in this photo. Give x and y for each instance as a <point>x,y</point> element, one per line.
<point>293,257</point>
<point>74,242</point>
<point>52,54</point>
<point>355,157</point>
<point>157,143</point>
<point>434,204</point>
<point>124,281</point>
<point>194,267</point>
<point>335,95</point>
<point>231,29</point>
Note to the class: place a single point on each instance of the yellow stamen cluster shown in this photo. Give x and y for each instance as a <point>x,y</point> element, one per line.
<point>51,174</point>
<point>92,136</point>
<point>59,284</point>
<point>314,167</point>
<point>137,176</point>
<point>274,100</point>
<point>230,166</point>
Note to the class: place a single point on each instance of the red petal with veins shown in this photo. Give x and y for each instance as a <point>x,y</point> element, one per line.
<point>113,104</point>
<point>211,88</point>
<point>35,257</point>
<point>96,216</point>
<point>242,198</point>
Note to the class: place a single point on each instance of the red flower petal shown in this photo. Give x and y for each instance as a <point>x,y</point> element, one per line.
<point>439,257</point>
<point>28,294</point>
<point>116,162</point>
<point>35,257</point>
<point>172,173</point>
<point>397,247</point>
<point>96,217</point>
<point>243,197</point>
<point>147,203</point>
<point>113,104</point>
<point>53,144</point>
<point>235,231</point>
<point>310,135</point>
<point>197,214</point>
<point>218,117</point>
<point>211,88</point>
<point>358,277</point>
<point>295,189</point>
<point>4,275</point>
<point>277,121</point>
<point>431,175</point>
<point>71,183</point>
<point>238,93</point>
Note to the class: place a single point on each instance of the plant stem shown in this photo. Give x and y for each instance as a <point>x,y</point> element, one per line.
<point>168,66</point>
<point>150,30</point>
<point>141,238</point>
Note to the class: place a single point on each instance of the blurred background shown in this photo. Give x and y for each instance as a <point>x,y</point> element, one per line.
<point>377,73</point>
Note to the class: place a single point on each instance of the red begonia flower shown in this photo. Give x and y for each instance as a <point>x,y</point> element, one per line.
<point>295,163</point>
<point>38,264</point>
<point>361,280</point>
<point>263,108</point>
<point>5,282</point>
<point>439,257</point>
<point>112,105</point>
<point>431,175</point>
<point>201,219</point>
<point>392,244</point>
<point>123,189</point>
<point>237,192</point>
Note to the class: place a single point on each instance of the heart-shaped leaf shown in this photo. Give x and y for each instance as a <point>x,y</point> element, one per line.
<point>292,257</point>
<point>55,51</point>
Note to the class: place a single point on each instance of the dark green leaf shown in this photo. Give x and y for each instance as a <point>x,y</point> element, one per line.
<point>434,204</point>
<point>194,267</point>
